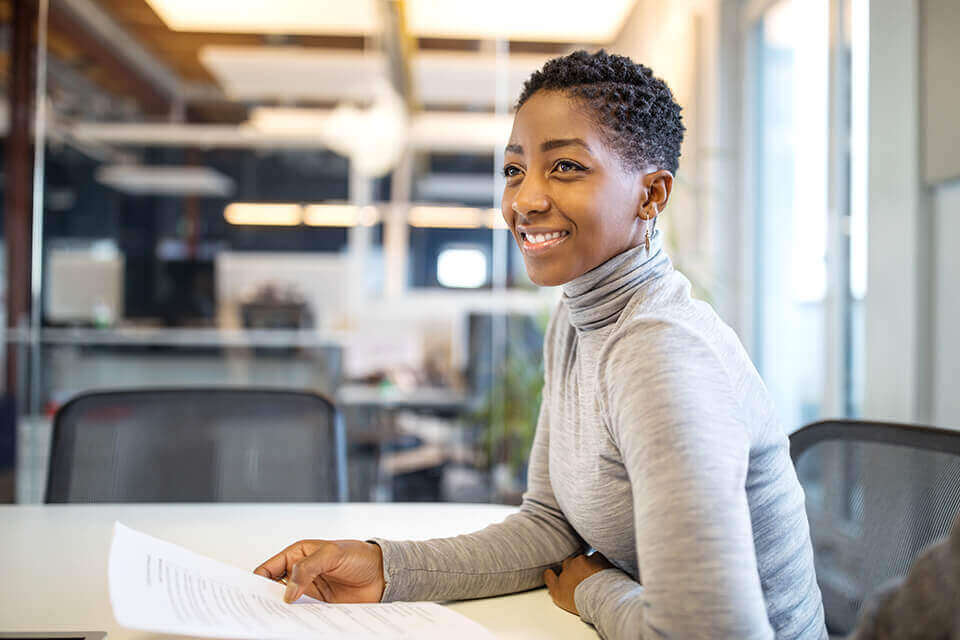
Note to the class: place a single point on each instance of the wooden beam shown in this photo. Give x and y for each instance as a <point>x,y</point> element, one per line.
<point>65,26</point>
<point>17,218</point>
<point>18,172</point>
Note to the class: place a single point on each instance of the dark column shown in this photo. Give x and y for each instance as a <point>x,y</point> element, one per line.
<point>18,215</point>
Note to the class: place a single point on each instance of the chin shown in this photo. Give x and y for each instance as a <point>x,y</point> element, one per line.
<point>542,279</point>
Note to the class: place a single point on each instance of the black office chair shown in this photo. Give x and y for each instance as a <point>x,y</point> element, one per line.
<point>877,494</point>
<point>198,445</point>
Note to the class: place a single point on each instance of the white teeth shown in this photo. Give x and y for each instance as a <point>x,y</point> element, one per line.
<point>537,238</point>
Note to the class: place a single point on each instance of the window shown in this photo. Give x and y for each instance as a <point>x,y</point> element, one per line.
<point>790,50</point>
<point>807,226</point>
<point>462,267</point>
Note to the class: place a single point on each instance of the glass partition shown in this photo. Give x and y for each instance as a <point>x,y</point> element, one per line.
<point>311,209</point>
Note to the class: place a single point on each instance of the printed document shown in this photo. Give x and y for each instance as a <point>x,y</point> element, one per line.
<point>158,586</point>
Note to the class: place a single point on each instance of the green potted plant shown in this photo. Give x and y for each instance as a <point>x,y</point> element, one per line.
<point>508,412</point>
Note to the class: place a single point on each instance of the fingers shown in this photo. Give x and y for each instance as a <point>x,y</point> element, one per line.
<point>303,573</point>
<point>277,566</point>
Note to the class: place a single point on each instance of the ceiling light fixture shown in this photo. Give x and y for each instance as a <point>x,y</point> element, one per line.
<point>495,219</point>
<point>165,180</point>
<point>303,17</point>
<point>264,214</point>
<point>426,18</point>
<point>339,215</point>
<point>441,217</point>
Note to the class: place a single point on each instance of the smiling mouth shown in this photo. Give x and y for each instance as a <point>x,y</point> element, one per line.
<point>538,243</point>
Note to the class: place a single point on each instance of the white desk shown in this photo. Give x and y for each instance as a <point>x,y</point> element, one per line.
<point>53,559</point>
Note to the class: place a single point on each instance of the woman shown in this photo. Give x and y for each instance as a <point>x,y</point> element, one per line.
<point>656,445</point>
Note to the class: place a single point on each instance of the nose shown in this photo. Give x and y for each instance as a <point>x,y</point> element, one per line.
<point>530,198</point>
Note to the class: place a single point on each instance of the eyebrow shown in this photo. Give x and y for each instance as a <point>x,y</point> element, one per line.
<point>556,143</point>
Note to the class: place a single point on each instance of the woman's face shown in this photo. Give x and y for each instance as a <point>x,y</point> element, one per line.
<point>568,201</point>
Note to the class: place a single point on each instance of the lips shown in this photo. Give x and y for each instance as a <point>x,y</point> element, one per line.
<point>536,242</point>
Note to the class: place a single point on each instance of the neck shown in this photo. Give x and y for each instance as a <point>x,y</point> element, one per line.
<point>597,298</point>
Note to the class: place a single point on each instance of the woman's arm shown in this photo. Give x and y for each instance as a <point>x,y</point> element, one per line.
<point>502,558</point>
<point>676,420</point>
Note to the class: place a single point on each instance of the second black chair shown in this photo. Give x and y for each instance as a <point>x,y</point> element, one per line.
<point>877,494</point>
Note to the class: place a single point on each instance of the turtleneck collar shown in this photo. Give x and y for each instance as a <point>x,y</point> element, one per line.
<point>596,298</point>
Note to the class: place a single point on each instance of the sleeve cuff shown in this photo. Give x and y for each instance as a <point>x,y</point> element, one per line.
<point>591,594</point>
<point>394,554</point>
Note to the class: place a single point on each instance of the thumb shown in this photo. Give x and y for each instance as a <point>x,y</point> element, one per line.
<point>550,579</point>
<point>324,559</point>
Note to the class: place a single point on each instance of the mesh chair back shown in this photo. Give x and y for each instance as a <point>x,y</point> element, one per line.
<point>197,445</point>
<point>877,494</point>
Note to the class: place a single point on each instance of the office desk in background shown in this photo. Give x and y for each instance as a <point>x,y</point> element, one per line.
<point>54,557</point>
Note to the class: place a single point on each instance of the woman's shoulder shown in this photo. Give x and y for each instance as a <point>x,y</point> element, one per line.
<point>681,346</point>
<point>677,330</point>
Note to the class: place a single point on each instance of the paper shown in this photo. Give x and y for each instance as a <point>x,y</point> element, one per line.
<point>158,586</point>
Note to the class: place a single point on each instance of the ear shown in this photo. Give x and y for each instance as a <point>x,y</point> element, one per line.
<point>657,186</point>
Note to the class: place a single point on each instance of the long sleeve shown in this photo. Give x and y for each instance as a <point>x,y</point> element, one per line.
<point>676,420</point>
<point>503,558</point>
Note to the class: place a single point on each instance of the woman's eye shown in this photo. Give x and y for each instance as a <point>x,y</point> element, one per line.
<point>511,171</point>
<point>565,166</point>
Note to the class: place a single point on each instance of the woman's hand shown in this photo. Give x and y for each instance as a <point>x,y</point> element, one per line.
<point>574,571</point>
<point>332,571</point>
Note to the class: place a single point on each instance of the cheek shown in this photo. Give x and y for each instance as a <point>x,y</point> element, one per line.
<point>612,216</point>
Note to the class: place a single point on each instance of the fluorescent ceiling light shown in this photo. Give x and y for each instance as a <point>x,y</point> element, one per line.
<point>315,215</point>
<point>306,17</point>
<point>289,120</point>
<point>265,214</point>
<point>339,215</point>
<point>448,78</point>
<point>532,20</point>
<point>294,73</point>
<point>165,180</point>
<point>308,73</point>
<point>443,217</point>
<point>433,131</point>
<point>494,219</point>
<point>598,21</point>
<point>460,132</point>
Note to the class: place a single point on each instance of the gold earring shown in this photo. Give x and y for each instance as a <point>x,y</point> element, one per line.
<point>647,240</point>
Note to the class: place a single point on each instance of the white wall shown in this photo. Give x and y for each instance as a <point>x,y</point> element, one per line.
<point>946,308</point>
<point>913,298</point>
<point>940,22</point>
<point>896,255</point>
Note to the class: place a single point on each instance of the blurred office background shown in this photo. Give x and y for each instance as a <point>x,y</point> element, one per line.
<point>304,194</point>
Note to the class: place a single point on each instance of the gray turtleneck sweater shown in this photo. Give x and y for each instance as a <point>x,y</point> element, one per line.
<point>658,446</point>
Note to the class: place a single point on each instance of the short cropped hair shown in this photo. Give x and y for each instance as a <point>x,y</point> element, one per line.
<point>635,110</point>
